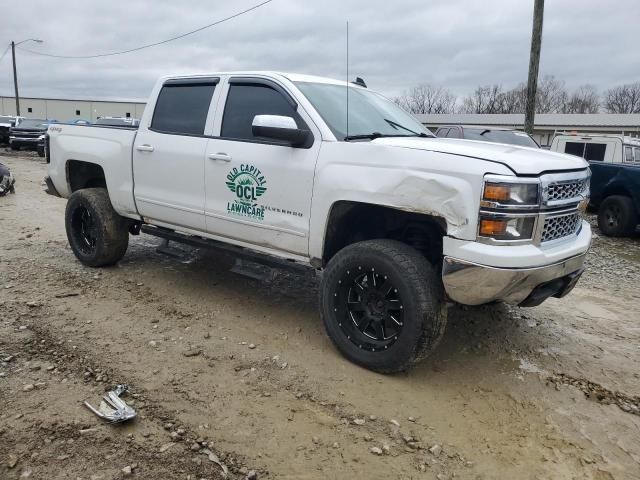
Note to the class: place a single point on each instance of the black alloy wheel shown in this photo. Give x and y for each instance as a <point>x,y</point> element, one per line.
<point>371,307</point>
<point>382,304</point>
<point>84,227</point>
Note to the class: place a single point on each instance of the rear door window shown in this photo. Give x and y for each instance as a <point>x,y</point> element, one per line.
<point>442,132</point>
<point>636,154</point>
<point>182,108</point>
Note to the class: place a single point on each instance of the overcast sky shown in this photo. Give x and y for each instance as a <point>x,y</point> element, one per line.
<point>393,44</point>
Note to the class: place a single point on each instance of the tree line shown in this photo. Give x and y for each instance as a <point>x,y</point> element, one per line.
<point>552,97</point>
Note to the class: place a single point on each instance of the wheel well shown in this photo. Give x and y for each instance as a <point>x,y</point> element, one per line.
<point>351,222</point>
<point>85,175</point>
<point>616,190</point>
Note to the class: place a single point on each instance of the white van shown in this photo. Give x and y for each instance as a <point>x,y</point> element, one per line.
<point>599,147</point>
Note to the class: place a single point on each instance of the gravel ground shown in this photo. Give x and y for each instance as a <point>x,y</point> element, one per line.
<point>223,365</point>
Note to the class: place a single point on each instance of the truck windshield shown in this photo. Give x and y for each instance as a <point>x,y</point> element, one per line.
<point>370,114</point>
<point>34,123</point>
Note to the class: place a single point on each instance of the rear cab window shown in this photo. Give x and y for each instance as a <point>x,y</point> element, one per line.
<point>595,152</point>
<point>182,106</point>
<point>592,151</point>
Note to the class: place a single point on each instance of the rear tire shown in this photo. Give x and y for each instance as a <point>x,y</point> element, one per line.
<point>97,235</point>
<point>382,305</point>
<point>617,216</point>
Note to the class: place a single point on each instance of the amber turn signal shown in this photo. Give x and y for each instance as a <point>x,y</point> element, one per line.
<point>492,228</point>
<point>496,193</point>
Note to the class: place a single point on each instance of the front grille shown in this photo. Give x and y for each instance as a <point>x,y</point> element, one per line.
<point>560,227</point>
<point>566,190</point>
<point>27,134</point>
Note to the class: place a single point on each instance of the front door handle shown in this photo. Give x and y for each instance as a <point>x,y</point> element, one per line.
<point>220,156</point>
<point>144,148</point>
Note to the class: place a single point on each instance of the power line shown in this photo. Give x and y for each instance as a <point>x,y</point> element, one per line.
<point>218,22</point>
<point>6,50</point>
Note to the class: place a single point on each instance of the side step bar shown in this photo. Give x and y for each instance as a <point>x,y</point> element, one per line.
<point>240,252</point>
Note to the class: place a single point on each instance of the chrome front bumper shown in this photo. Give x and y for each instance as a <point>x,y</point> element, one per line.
<point>474,284</point>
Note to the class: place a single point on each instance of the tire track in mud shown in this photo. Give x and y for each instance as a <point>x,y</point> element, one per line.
<point>598,393</point>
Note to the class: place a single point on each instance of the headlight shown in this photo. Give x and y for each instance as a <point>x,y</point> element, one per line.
<point>506,228</point>
<point>513,194</point>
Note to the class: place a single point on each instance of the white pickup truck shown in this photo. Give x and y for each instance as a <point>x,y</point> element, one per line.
<point>400,223</point>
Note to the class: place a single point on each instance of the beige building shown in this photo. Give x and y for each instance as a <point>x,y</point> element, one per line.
<point>63,109</point>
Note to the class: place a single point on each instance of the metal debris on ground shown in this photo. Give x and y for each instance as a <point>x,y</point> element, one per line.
<point>214,458</point>
<point>7,182</point>
<point>112,408</point>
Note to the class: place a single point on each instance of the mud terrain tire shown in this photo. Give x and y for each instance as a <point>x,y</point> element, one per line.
<point>97,235</point>
<point>382,305</point>
<point>617,217</point>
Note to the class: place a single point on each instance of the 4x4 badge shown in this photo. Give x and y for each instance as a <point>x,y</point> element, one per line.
<point>248,184</point>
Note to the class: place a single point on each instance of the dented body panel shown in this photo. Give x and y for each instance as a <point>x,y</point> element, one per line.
<point>432,183</point>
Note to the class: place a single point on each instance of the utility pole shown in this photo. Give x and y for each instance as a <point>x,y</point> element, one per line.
<point>534,64</point>
<point>15,78</point>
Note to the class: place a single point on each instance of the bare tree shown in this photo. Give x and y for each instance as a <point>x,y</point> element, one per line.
<point>427,98</point>
<point>583,100</point>
<point>623,99</point>
<point>514,100</point>
<point>551,96</point>
<point>485,99</point>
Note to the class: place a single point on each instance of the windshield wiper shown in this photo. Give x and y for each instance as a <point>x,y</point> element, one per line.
<point>370,136</point>
<point>396,125</point>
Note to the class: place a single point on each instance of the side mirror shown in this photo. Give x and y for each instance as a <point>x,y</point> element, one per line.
<point>279,127</point>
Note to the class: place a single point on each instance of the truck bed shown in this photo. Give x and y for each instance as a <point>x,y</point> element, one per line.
<point>108,146</point>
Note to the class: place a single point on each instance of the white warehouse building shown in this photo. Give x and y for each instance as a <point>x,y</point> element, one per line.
<point>65,109</point>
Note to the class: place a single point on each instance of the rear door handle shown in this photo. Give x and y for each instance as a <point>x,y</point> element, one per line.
<point>220,156</point>
<point>144,148</point>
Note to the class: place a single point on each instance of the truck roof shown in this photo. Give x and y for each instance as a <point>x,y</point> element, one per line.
<point>595,136</point>
<point>294,77</point>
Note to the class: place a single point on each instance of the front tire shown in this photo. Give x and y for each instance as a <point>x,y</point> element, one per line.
<point>97,235</point>
<point>382,305</point>
<point>617,217</point>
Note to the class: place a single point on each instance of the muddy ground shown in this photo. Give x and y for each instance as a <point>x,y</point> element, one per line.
<point>241,368</point>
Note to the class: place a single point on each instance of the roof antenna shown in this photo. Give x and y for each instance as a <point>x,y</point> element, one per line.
<point>347,78</point>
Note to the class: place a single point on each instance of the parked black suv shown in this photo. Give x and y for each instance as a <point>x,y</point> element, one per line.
<point>488,134</point>
<point>30,134</point>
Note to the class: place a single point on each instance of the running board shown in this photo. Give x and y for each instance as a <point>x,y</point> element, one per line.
<point>241,252</point>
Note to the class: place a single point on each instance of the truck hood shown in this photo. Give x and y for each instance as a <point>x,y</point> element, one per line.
<point>521,160</point>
